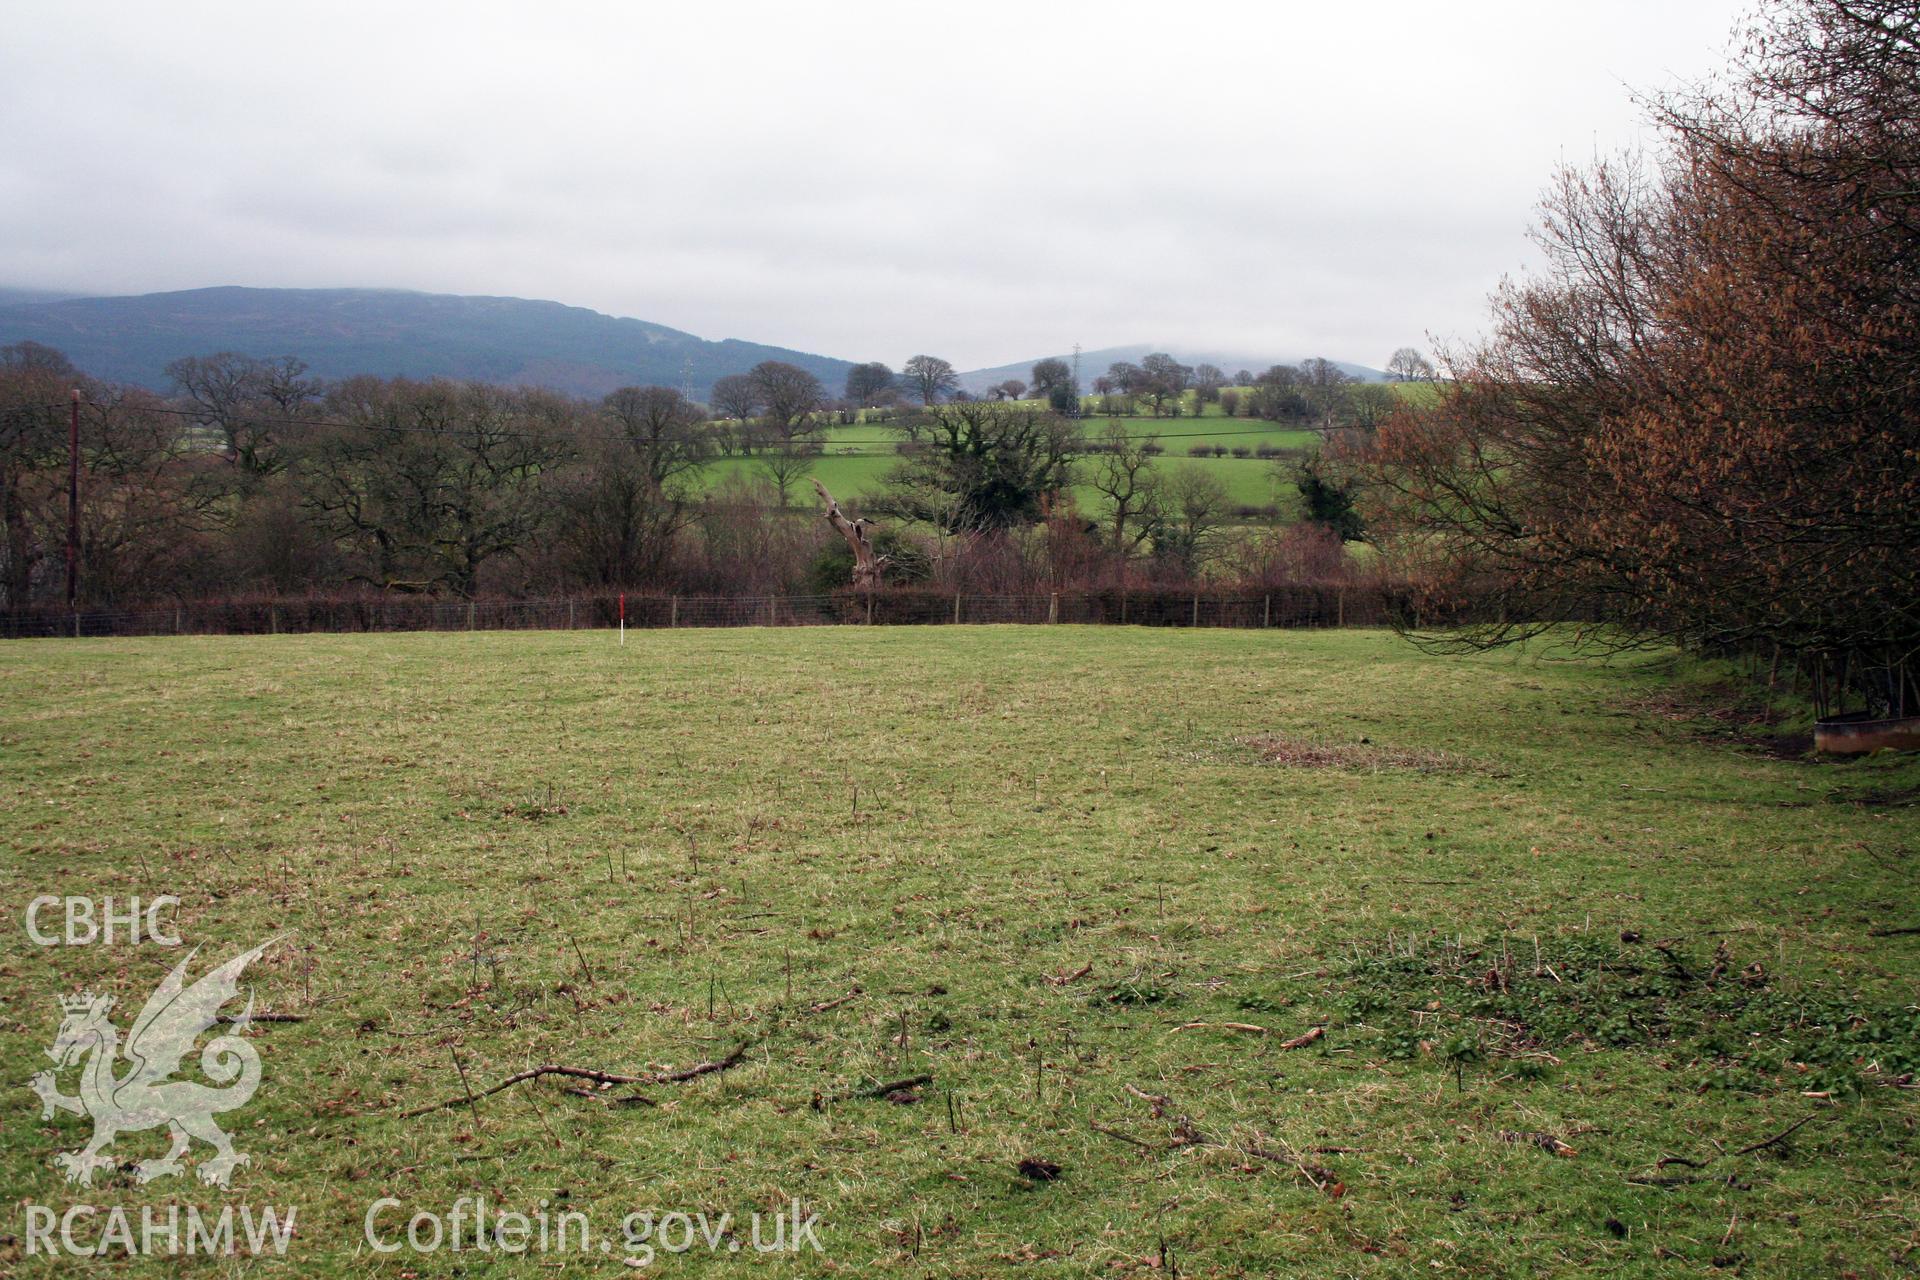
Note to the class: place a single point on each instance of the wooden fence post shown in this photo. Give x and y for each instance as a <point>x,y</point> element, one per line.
<point>473,614</point>
<point>569,615</point>
<point>673,612</point>
<point>1340,607</point>
<point>869,606</point>
<point>956,607</point>
<point>1196,608</point>
<point>1266,611</point>
<point>178,628</point>
<point>273,620</point>
<point>1053,607</point>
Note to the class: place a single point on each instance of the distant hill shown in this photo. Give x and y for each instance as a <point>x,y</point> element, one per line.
<point>10,296</point>
<point>1094,363</point>
<point>341,332</point>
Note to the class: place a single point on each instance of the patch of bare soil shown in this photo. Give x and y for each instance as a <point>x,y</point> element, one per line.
<point>1305,753</point>
<point>1734,715</point>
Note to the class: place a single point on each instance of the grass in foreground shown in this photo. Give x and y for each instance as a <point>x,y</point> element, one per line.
<point>1092,883</point>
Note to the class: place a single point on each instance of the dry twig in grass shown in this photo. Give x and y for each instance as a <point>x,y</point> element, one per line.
<point>1300,1041</point>
<point>588,1073</point>
<point>1186,1134</point>
<point>1545,1141</point>
<point>1747,1150</point>
<point>836,1002</point>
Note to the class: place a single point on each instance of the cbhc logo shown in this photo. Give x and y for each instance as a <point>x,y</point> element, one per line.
<point>86,925</point>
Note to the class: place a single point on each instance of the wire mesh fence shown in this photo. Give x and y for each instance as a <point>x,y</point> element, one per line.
<point>1293,605</point>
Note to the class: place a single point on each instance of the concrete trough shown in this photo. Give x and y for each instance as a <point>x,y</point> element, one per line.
<point>1856,735</point>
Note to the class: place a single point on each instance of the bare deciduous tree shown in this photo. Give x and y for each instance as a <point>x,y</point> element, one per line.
<point>430,481</point>
<point>1051,373</point>
<point>1195,508</point>
<point>1123,474</point>
<point>1407,365</point>
<point>247,400</point>
<point>736,396</point>
<point>930,377</point>
<point>664,429</point>
<point>1207,380</point>
<point>785,462</point>
<point>867,383</point>
<point>790,397</point>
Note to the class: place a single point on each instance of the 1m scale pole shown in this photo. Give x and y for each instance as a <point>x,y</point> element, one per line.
<point>73,501</point>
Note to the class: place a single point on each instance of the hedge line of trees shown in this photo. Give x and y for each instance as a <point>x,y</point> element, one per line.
<point>255,480</point>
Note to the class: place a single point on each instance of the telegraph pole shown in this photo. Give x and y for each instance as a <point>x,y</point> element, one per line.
<point>73,500</point>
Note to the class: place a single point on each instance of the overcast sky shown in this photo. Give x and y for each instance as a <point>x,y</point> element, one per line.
<point>984,181</point>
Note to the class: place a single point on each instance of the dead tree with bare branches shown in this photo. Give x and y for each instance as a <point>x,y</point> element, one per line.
<point>867,564</point>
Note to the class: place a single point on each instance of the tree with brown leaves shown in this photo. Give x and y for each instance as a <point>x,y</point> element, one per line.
<point>1700,422</point>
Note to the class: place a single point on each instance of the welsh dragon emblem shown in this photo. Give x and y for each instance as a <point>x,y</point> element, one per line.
<point>144,1096</point>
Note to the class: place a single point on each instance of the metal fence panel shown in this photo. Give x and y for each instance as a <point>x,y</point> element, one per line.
<point>1289,605</point>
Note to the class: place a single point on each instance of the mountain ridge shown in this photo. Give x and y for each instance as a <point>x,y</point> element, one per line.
<point>391,332</point>
<point>480,337</point>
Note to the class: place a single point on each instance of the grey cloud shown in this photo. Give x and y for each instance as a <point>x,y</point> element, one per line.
<point>989,181</point>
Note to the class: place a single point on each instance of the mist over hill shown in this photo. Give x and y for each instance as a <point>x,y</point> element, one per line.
<point>1094,363</point>
<point>390,332</point>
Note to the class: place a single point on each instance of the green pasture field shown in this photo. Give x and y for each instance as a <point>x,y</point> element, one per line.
<point>858,456</point>
<point>1035,952</point>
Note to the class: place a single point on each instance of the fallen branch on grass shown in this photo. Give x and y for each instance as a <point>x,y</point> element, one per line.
<point>1063,978</point>
<point>263,1017</point>
<point>887,1089</point>
<point>1300,1041</point>
<point>836,1002</point>
<point>588,1073</point>
<point>1747,1150</point>
<point>1097,1127</point>
<point>1787,1132</point>
<point>1323,1180</point>
<point>625,1100</point>
<point>704,1068</point>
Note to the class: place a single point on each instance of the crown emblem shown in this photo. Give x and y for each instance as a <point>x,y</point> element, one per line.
<point>78,1002</point>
